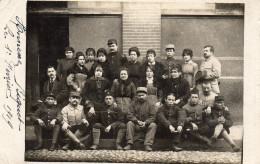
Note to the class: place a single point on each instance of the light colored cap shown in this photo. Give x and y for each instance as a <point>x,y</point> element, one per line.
<point>141,89</point>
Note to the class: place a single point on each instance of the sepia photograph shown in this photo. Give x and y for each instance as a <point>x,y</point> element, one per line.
<point>134,82</point>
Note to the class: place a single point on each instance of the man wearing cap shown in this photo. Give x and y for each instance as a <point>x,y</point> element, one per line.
<point>109,119</point>
<point>171,121</point>
<point>220,122</point>
<point>169,61</point>
<point>74,123</point>
<point>56,86</point>
<point>211,68</point>
<point>141,116</point>
<point>46,118</point>
<point>115,58</point>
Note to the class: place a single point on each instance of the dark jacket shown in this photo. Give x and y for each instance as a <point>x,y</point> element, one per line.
<point>108,115</point>
<point>116,60</point>
<point>212,119</point>
<point>94,89</point>
<point>180,87</point>
<point>171,116</point>
<point>195,112</point>
<point>47,114</point>
<point>159,71</point>
<point>168,64</point>
<point>106,69</point>
<point>76,69</point>
<point>134,71</point>
<point>63,66</point>
<point>141,111</point>
<point>123,89</point>
<point>59,90</point>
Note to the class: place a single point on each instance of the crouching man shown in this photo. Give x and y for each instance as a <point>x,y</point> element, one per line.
<point>109,119</point>
<point>47,118</point>
<point>74,123</point>
<point>171,120</point>
<point>141,116</point>
<point>195,124</point>
<point>220,121</point>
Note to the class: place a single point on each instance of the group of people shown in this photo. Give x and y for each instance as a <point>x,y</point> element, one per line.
<point>114,95</point>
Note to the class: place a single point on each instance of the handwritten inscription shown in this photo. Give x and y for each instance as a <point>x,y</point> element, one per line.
<point>14,31</point>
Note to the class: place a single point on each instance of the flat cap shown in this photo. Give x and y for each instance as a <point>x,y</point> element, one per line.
<point>112,41</point>
<point>219,98</point>
<point>75,94</point>
<point>169,46</point>
<point>49,94</point>
<point>141,89</point>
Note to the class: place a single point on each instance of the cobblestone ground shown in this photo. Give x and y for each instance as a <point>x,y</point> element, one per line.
<point>133,156</point>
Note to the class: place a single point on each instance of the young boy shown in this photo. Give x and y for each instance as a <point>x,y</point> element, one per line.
<point>169,61</point>
<point>171,120</point>
<point>220,120</point>
<point>178,85</point>
<point>90,58</point>
<point>109,120</point>
<point>66,63</point>
<point>47,118</point>
<point>195,124</point>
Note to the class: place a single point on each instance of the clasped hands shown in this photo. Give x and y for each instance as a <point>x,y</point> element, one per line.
<point>172,129</point>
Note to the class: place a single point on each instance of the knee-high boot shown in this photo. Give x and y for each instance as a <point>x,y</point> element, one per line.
<point>96,136</point>
<point>120,137</point>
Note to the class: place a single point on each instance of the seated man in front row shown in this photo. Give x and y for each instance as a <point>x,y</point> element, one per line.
<point>47,117</point>
<point>220,121</point>
<point>74,123</point>
<point>171,120</point>
<point>141,116</point>
<point>108,119</point>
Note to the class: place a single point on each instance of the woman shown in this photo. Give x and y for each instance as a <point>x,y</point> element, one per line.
<point>123,90</point>
<point>154,93</point>
<point>189,68</point>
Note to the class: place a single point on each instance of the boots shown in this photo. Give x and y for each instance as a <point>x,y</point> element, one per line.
<point>96,136</point>
<point>73,138</point>
<point>38,133</point>
<point>230,141</point>
<point>202,138</point>
<point>120,136</point>
<point>55,136</point>
<point>217,131</point>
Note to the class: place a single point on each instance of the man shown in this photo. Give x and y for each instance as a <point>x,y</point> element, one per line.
<point>74,123</point>
<point>116,59</point>
<point>171,120</point>
<point>141,116</point>
<point>169,61</point>
<point>56,86</point>
<point>208,96</point>
<point>211,68</point>
<point>47,118</point>
<point>109,120</point>
<point>220,122</point>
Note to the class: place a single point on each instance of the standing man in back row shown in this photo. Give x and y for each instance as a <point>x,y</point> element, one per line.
<point>115,58</point>
<point>210,68</point>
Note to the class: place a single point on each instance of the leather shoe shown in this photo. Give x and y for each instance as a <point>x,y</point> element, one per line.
<point>118,146</point>
<point>38,147</point>
<point>52,147</point>
<point>93,147</point>
<point>176,148</point>
<point>81,146</point>
<point>128,147</point>
<point>213,139</point>
<point>235,148</point>
<point>66,147</point>
<point>148,148</point>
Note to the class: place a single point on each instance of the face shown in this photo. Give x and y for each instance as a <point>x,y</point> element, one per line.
<point>98,73</point>
<point>109,100</point>
<point>133,56</point>
<point>123,75</point>
<point>50,100</point>
<point>206,88</point>
<point>207,52</point>
<point>51,73</point>
<point>149,73</point>
<point>194,99</point>
<point>170,53</point>
<point>81,60</point>
<point>141,96</point>
<point>90,55</point>
<point>219,104</point>
<point>69,54</point>
<point>150,58</point>
<point>186,57</point>
<point>101,57</point>
<point>175,73</point>
<point>170,100</point>
<point>113,47</point>
<point>74,100</point>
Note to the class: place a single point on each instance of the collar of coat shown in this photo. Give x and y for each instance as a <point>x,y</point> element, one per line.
<point>94,78</point>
